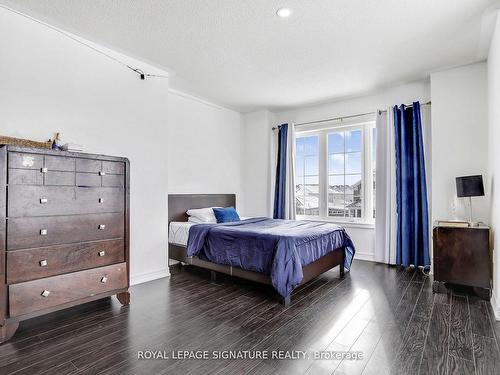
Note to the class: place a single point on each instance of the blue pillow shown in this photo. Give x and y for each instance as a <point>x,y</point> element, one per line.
<point>226,215</point>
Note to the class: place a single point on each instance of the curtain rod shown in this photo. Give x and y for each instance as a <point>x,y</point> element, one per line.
<point>348,117</point>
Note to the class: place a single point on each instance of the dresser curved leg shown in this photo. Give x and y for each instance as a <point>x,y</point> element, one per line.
<point>7,331</point>
<point>124,298</point>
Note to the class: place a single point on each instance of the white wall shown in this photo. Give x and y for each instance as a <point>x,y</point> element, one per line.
<point>363,236</point>
<point>204,145</point>
<point>459,138</point>
<point>50,83</point>
<point>381,99</point>
<point>493,188</point>
<point>256,170</point>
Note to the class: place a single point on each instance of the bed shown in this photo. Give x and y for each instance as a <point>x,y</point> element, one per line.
<point>279,253</point>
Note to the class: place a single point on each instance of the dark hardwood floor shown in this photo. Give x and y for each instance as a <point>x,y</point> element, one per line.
<point>388,314</point>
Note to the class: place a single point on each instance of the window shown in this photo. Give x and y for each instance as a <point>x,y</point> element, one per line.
<point>344,174</point>
<point>334,165</point>
<point>307,176</point>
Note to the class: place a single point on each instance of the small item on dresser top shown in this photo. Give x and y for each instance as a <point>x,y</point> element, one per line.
<point>56,144</point>
<point>452,223</point>
<point>72,147</point>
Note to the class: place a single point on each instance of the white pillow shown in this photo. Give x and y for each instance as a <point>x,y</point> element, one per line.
<point>196,220</point>
<point>204,215</point>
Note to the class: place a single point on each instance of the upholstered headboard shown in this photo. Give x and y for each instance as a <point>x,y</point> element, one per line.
<point>178,204</point>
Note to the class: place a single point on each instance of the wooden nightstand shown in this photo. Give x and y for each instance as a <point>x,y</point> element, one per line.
<point>462,256</point>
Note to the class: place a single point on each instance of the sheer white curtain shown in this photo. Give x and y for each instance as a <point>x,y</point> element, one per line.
<point>385,221</point>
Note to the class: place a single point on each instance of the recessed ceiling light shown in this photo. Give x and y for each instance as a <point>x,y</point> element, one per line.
<point>284,12</point>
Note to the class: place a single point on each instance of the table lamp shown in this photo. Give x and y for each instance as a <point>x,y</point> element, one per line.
<point>468,187</point>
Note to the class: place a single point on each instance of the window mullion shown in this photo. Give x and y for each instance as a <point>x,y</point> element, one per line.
<point>365,159</point>
<point>343,137</point>
<point>323,175</point>
<point>368,173</point>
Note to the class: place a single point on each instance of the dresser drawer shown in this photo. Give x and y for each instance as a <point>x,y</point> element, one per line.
<point>45,293</point>
<point>60,200</point>
<point>30,264</point>
<point>36,177</point>
<point>113,180</point>
<point>59,178</point>
<point>25,177</point>
<point>28,232</point>
<point>25,160</point>
<point>59,163</point>
<point>88,165</point>
<point>113,167</point>
<point>88,179</point>
<point>95,180</point>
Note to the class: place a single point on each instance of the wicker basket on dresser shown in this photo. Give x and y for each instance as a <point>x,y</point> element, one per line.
<point>64,232</point>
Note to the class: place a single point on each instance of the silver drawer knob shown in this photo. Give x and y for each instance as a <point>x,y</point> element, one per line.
<point>43,263</point>
<point>101,200</point>
<point>104,279</point>
<point>44,200</point>
<point>102,253</point>
<point>44,170</point>
<point>45,293</point>
<point>101,173</point>
<point>43,232</point>
<point>101,226</point>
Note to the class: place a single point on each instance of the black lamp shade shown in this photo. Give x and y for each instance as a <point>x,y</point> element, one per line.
<point>470,186</point>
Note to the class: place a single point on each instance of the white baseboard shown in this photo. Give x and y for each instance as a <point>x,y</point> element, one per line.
<point>364,255</point>
<point>495,306</point>
<point>150,276</point>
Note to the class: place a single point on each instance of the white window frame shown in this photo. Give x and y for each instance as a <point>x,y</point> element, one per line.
<point>366,170</point>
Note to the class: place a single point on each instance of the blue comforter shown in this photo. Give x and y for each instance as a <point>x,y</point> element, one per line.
<point>277,248</point>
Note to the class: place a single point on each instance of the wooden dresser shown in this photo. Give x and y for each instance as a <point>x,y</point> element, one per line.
<point>462,256</point>
<point>64,232</point>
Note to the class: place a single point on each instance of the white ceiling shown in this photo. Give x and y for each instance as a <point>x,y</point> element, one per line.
<point>238,53</point>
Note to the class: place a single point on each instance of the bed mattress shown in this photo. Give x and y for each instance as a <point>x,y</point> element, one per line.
<point>178,232</point>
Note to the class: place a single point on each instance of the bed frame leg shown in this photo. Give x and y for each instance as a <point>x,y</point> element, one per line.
<point>213,276</point>
<point>286,301</point>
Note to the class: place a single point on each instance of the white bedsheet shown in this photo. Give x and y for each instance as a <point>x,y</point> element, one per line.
<point>178,232</point>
